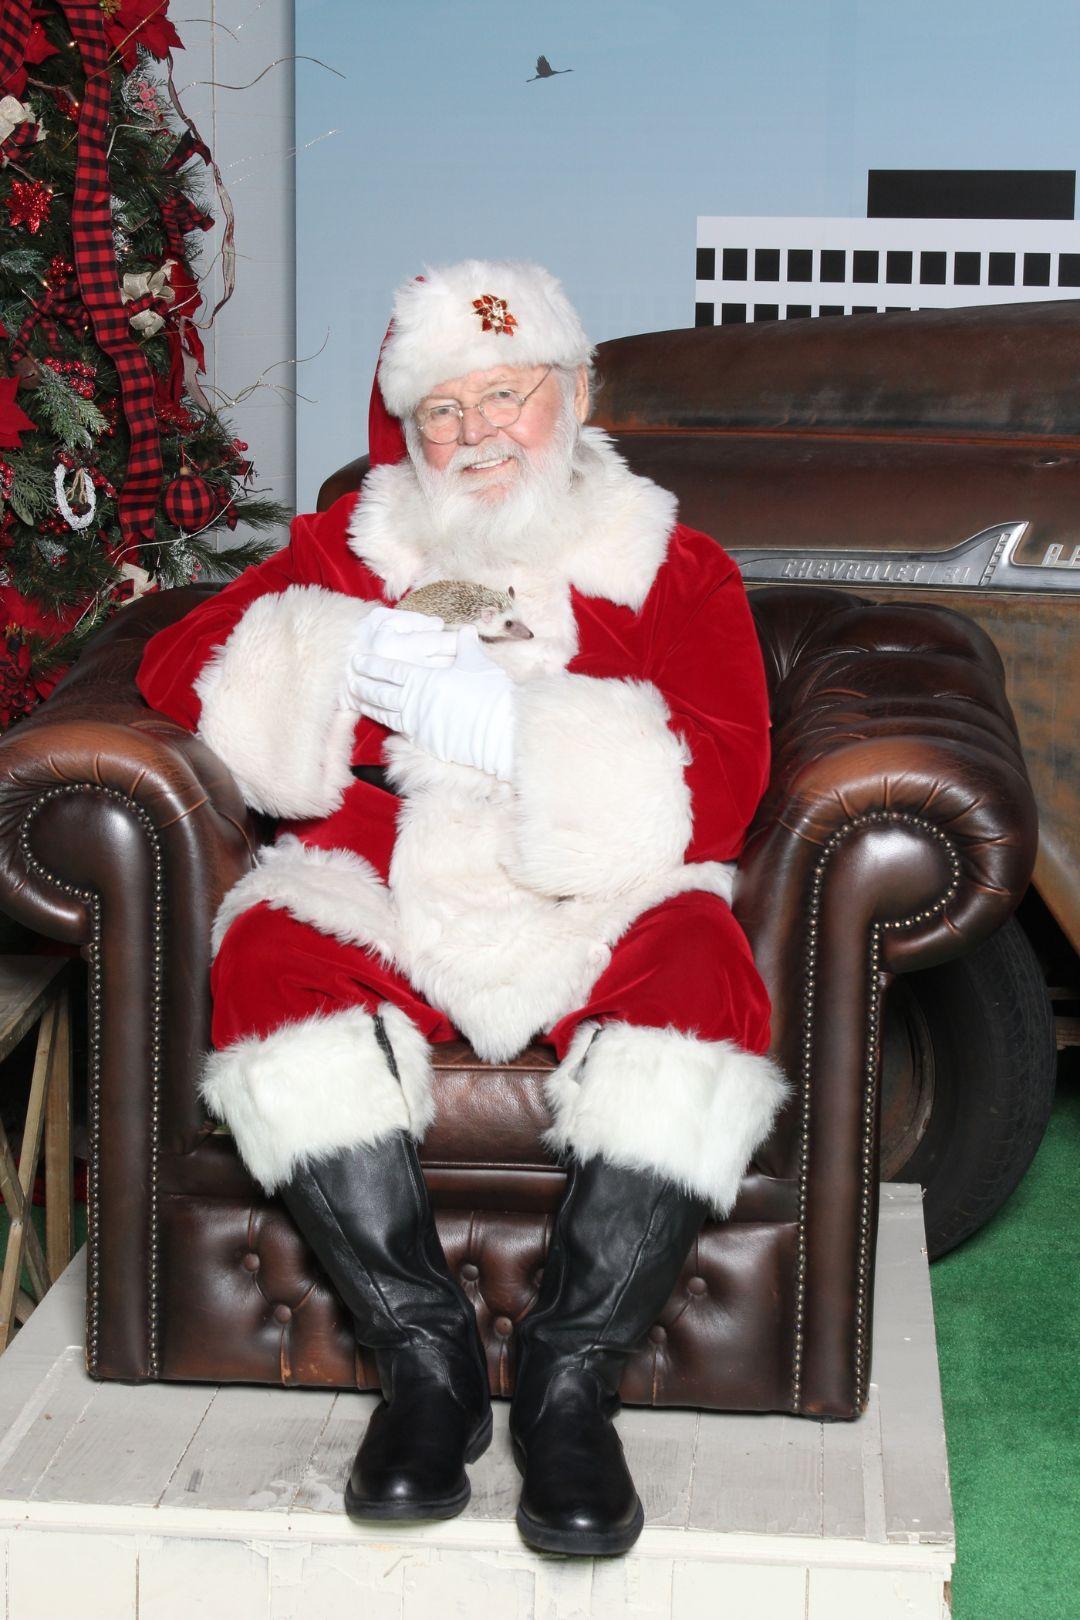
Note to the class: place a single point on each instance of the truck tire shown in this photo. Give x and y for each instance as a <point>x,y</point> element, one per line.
<point>968,1068</point>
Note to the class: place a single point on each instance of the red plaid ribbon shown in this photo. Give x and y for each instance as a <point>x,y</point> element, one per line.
<point>14,37</point>
<point>179,215</point>
<point>60,303</point>
<point>95,262</point>
<point>189,145</point>
<point>145,301</point>
<point>21,137</point>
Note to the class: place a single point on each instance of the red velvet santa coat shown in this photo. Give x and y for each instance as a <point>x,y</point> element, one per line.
<point>585,900</point>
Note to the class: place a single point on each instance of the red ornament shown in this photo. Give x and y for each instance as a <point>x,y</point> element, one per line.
<point>176,417</point>
<point>29,203</point>
<point>109,406</point>
<point>190,502</point>
<point>227,506</point>
<point>62,99</point>
<point>80,374</point>
<point>494,314</point>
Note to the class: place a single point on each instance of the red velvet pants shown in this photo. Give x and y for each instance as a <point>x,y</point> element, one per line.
<point>685,964</point>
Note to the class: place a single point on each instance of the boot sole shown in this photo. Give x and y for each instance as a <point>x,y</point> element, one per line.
<point>584,1543</point>
<point>440,1507</point>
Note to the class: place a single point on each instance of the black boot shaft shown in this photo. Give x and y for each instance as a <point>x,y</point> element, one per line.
<point>620,1240</point>
<point>366,1214</point>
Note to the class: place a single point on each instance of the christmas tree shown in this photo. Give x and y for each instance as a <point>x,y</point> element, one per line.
<point>116,474</point>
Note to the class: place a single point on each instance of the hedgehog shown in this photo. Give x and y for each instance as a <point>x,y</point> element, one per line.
<point>459,601</point>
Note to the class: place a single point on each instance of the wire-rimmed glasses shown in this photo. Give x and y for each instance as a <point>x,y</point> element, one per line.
<point>441,422</point>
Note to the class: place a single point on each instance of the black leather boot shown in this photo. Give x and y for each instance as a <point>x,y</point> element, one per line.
<point>366,1214</point>
<point>620,1240</point>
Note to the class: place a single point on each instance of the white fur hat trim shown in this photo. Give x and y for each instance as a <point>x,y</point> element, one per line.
<point>438,331</point>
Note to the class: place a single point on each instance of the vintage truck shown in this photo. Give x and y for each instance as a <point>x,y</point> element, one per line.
<point>934,456</point>
<point>931,455</point>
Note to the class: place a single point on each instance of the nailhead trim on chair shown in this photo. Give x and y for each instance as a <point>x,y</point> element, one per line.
<point>92,900</point>
<point>868,1167</point>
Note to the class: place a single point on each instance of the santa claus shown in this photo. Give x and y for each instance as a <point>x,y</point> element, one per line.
<point>502,837</point>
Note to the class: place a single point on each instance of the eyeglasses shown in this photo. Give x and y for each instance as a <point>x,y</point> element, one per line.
<point>442,422</point>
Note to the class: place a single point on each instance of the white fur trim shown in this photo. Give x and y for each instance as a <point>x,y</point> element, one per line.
<point>629,520</point>
<point>436,333</point>
<point>657,1099</point>
<point>616,538</point>
<point>337,892</point>
<point>602,801</point>
<point>316,1086</point>
<point>270,699</point>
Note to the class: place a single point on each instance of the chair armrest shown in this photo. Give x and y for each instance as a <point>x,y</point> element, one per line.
<point>121,832</point>
<point>898,829</point>
<point>95,751</point>
<point>897,772</point>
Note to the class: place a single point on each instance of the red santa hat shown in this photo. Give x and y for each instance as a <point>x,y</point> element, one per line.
<point>473,316</point>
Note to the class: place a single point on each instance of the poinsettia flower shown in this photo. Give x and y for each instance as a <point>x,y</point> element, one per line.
<point>130,23</point>
<point>13,419</point>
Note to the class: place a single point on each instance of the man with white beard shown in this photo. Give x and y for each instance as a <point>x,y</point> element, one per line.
<point>553,860</point>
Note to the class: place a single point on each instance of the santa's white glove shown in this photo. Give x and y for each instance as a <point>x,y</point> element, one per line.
<point>412,638</point>
<point>463,715</point>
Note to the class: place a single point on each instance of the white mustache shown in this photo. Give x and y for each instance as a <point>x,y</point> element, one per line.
<point>469,454</point>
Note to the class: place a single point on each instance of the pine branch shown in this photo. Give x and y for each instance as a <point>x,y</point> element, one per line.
<point>74,420</point>
<point>19,261</point>
<point>31,489</point>
<point>228,564</point>
<point>261,512</point>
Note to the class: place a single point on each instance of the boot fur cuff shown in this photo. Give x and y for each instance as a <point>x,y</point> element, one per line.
<point>317,1086</point>
<point>656,1099</point>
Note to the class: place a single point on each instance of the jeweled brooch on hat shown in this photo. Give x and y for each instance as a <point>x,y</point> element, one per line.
<point>494,314</point>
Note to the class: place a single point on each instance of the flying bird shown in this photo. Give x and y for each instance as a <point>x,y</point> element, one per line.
<point>544,70</point>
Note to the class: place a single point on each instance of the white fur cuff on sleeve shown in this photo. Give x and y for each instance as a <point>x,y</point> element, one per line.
<point>271,700</point>
<point>601,802</point>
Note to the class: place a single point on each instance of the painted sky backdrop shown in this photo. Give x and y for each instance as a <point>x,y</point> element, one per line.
<point>672,110</point>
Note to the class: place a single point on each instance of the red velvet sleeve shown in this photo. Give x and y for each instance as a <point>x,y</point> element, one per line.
<point>711,674</point>
<point>316,555</point>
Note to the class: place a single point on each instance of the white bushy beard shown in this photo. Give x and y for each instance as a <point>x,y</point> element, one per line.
<point>531,524</point>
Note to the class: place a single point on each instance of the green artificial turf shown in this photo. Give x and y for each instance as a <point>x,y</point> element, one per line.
<point>1007,1309</point>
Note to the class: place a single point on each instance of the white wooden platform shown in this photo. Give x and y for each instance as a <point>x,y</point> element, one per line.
<point>193,1502</point>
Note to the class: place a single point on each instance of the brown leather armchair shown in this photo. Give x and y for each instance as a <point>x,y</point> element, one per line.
<point>898,829</point>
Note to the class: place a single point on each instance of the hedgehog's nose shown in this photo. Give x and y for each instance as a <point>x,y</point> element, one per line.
<point>518,631</point>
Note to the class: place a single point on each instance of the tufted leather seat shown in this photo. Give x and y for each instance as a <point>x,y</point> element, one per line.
<point>898,829</point>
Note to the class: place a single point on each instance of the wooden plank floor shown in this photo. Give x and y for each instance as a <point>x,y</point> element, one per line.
<point>152,1502</point>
